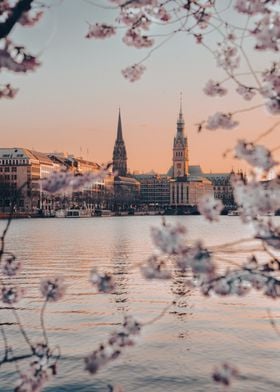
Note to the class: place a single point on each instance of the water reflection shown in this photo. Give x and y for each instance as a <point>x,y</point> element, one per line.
<point>212,330</point>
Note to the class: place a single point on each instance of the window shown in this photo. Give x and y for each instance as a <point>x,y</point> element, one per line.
<point>14,169</point>
<point>6,169</point>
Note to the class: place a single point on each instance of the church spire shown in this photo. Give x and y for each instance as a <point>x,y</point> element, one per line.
<point>119,153</point>
<point>180,121</point>
<point>119,132</point>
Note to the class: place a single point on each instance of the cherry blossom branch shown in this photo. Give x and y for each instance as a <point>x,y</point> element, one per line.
<point>16,13</point>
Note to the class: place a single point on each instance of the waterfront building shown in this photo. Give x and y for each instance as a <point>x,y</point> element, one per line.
<point>126,188</point>
<point>185,188</point>
<point>154,189</point>
<point>21,169</point>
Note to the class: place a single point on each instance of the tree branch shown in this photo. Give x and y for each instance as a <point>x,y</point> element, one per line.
<point>16,13</point>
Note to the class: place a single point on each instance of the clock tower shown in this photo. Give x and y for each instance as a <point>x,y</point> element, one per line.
<point>180,149</point>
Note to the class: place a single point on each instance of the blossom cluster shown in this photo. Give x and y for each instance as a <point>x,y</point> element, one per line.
<point>257,156</point>
<point>8,91</point>
<point>64,181</point>
<point>15,58</point>
<point>112,349</point>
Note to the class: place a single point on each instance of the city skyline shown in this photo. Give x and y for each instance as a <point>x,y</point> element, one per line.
<point>72,99</point>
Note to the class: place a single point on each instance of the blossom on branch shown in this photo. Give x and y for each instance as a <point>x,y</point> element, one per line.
<point>113,347</point>
<point>11,295</point>
<point>155,268</point>
<point>169,239</point>
<point>210,207</point>
<point>257,156</point>
<point>224,374</point>
<point>65,180</point>
<point>221,120</point>
<point>8,91</point>
<point>104,282</point>
<point>134,72</point>
<point>53,289</point>
<point>11,266</point>
<point>214,89</point>
<point>101,30</point>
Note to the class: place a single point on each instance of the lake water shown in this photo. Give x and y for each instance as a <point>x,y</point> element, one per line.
<point>179,352</point>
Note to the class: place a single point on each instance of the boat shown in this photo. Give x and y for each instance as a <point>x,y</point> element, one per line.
<point>233,213</point>
<point>78,213</point>
<point>60,213</point>
<point>103,213</point>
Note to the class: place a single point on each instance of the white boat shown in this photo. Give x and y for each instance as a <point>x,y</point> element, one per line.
<point>60,213</point>
<point>78,213</point>
<point>233,213</point>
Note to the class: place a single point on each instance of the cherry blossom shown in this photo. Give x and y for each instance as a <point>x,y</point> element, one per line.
<point>210,207</point>
<point>133,37</point>
<point>134,72</point>
<point>198,259</point>
<point>267,32</point>
<point>227,57</point>
<point>29,19</point>
<point>63,181</point>
<point>221,120</point>
<point>224,374</point>
<point>103,281</point>
<point>16,59</point>
<point>101,30</point>
<point>170,239</point>
<point>11,295</point>
<point>246,92</point>
<point>252,7</point>
<point>53,289</point>
<point>114,346</point>
<point>256,155</point>
<point>11,266</point>
<point>155,268</point>
<point>8,91</point>
<point>214,89</point>
<point>255,198</point>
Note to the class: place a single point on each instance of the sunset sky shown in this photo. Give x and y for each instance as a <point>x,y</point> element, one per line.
<point>71,102</point>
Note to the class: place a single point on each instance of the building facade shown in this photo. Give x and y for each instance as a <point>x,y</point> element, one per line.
<point>185,188</point>
<point>154,189</point>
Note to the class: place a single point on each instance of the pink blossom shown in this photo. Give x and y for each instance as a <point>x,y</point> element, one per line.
<point>65,180</point>
<point>101,30</point>
<point>16,59</point>
<point>11,266</point>
<point>267,32</point>
<point>214,88</point>
<point>210,207</point>
<point>104,282</point>
<point>8,91</point>
<point>224,374</point>
<point>251,7</point>
<point>11,295</point>
<point>133,37</point>
<point>134,72</point>
<point>170,239</point>
<point>246,92</point>
<point>30,19</point>
<point>221,120</point>
<point>227,58</point>
<point>53,289</point>
<point>155,268</point>
<point>256,155</point>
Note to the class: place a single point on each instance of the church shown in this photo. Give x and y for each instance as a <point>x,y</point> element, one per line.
<point>126,188</point>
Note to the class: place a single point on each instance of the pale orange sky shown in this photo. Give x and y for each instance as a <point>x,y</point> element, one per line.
<point>71,102</point>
